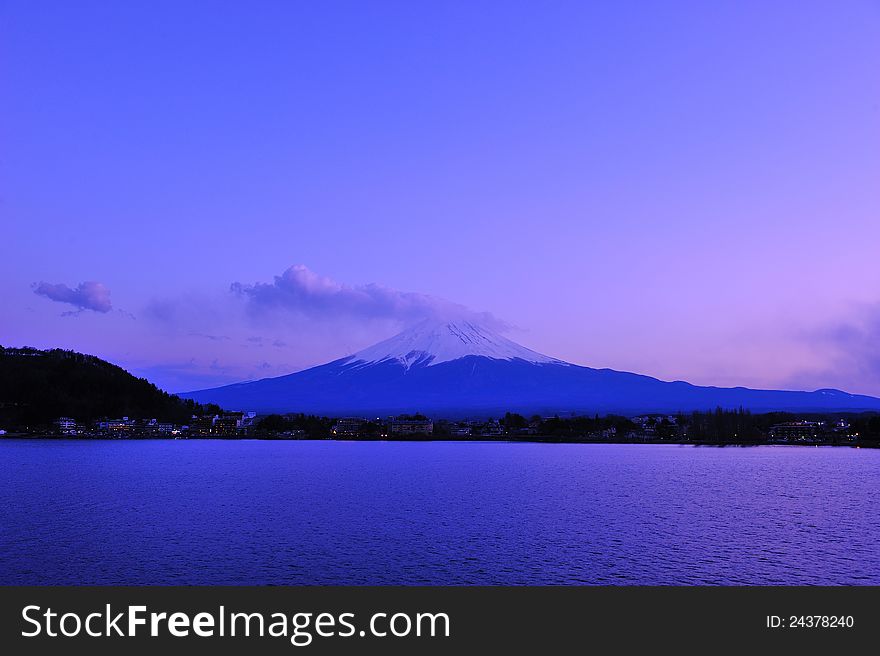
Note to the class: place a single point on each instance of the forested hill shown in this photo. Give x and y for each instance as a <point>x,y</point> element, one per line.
<point>38,386</point>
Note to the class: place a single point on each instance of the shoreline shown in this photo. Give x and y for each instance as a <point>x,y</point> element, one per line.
<point>506,440</point>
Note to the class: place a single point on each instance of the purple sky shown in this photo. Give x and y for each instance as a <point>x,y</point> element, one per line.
<point>206,193</point>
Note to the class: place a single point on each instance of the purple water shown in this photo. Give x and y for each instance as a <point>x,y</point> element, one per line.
<point>250,512</point>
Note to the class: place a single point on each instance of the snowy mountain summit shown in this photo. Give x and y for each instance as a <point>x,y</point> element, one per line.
<point>432,342</point>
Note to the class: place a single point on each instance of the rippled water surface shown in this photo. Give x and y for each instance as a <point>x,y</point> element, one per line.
<point>249,512</point>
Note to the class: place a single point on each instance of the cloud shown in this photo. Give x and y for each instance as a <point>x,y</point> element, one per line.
<point>193,313</point>
<point>859,341</point>
<point>213,338</point>
<point>262,341</point>
<point>89,295</point>
<point>297,320</point>
<point>305,292</point>
<point>850,349</point>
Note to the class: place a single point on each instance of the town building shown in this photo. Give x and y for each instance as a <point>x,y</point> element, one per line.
<point>155,426</point>
<point>203,425</point>
<point>348,427</point>
<point>411,427</point>
<point>228,424</point>
<point>115,426</point>
<point>65,426</point>
<point>248,419</point>
<point>492,428</point>
<point>796,431</point>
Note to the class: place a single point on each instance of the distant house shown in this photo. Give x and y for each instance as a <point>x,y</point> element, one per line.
<point>411,427</point>
<point>123,425</point>
<point>492,429</point>
<point>228,423</point>
<point>795,431</point>
<point>348,427</point>
<point>203,425</point>
<point>155,426</point>
<point>65,426</point>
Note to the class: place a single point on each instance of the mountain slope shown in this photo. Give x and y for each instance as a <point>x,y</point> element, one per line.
<point>37,387</point>
<point>461,369</point>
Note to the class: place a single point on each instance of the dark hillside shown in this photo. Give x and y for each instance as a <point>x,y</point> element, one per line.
<point>38,386</point>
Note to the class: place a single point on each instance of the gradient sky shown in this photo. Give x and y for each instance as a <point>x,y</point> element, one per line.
<point>685,189</point>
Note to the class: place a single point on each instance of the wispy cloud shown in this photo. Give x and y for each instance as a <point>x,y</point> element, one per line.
<point>849,350</point>
<point>301,290</point>
<point>208,316</point>
<point>89,295</point>
<point>859,341</point>
<point>262,341</point>
<point>213,338</point>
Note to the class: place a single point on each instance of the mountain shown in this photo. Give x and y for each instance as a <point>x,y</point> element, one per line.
<point>460,368</point>
<point>37,387</point>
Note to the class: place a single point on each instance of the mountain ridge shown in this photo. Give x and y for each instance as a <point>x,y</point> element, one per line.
<point>462,369</point>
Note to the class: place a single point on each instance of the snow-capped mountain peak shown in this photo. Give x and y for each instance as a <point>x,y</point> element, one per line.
<point>433,342</point>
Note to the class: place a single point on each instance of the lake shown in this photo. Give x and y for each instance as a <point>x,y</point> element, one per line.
<point>290,513</point>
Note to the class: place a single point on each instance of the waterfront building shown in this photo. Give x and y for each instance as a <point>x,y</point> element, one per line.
<point>155,426</point>
<point>794,431</point>
<point>411,427</point>
<point>65,426</point>
<point>492,429</point>
<point>123,425</point>
<point>348,427</point>
<point>227,424</point>
<point>203,425</point>
<point>248,419</point>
